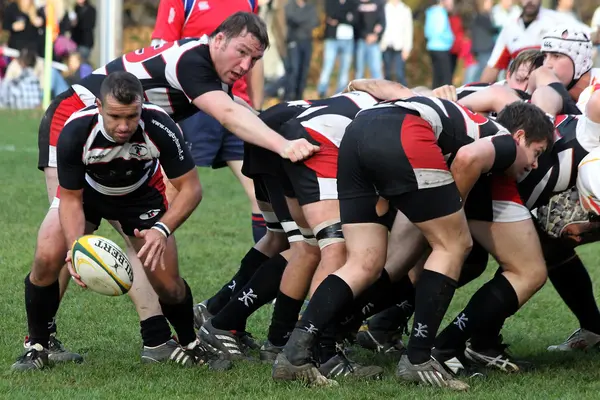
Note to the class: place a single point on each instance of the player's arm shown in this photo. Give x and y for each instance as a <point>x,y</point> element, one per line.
<point>380,88</point>
<point>256,84</point>
<point>491,99</point>
<point>243,123</point>
<point>592,108</point>
<point>482,156</point>
<point>71,178</point>
<point>177,162</point>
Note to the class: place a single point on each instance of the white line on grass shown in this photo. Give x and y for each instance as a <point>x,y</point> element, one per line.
<point>11,148</point>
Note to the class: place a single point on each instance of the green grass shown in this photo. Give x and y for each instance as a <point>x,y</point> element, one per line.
<point>106,330</point>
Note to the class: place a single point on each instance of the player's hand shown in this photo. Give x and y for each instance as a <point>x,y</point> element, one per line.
<point>298,150</point>
<point>74,274</point>
<point>151,254</point>
<point>447,92</point>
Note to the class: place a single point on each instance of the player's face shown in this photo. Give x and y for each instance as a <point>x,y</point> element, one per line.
<point>519,79</point>
<point>527,154</point>
<point>236,56</point>
<point>531,8</point>
<point>120,120</point>
<point>561,65</point>
<point>581,233</point>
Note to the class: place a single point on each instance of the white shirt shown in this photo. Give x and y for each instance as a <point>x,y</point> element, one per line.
<point>515,37</point>
<point>594,85</point>
<point>398,32</point>
<point>500,16</point>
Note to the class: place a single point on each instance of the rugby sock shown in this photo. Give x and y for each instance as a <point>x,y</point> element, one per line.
<point>181,317</point>
<point>398,315</point>
<point>261,289</point>
<point>483,316</point>
<point>285,316</point>
<point>331,297</point>
<point>155,331</point>
<point>374,299</point>
<point>259,227</point>
<point>572,282</point>
<point>52,326</point>
<point>250,263</point>
<point>433,295</point>
<point>41,304</point>
<point>326,346</point>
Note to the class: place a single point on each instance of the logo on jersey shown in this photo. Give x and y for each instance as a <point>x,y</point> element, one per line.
<point>203,6</point>
<point>149,215</point>
<point>138,150</point>
<point>173,137</point>
<point>171,15</point>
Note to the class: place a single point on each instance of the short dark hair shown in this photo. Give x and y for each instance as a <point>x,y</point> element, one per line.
<point>28,57</point>
<point>529,118</point>
<point>244,22</point>
<point>125,87</point>
<point>533,56</point>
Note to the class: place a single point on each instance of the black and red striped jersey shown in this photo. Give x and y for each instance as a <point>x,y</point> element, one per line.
<point>574,138</point>
<point>88,156</point>
<point>470,88</point>
<point>172,74</point>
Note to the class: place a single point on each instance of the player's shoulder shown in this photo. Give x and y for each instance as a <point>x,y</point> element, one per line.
<point>83,116</point>
<point>155,116</point>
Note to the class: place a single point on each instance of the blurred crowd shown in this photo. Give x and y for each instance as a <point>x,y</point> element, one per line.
<point>22,48</point>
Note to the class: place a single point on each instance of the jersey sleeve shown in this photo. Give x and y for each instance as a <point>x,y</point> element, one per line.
<point>69,150</point>
<point>196,75</point>
<point>175,157</point>
<point>500,57</point>
<point>169,20</point>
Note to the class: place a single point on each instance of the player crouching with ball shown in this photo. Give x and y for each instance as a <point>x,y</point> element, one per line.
<point>109,166</point>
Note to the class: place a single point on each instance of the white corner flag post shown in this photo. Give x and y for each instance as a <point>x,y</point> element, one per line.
<point>111,29</point>
<point>48,53</point>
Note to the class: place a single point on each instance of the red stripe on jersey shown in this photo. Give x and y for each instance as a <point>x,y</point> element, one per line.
<point>157,182</point>
<point>63,112</point>
<point>420,145</point>
<point>504,188</point>
<point>503,60</point>
<point>323,162</point>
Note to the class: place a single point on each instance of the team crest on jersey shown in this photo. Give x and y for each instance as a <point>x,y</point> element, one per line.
<point>138,150</point>
<point>203,5</point>
<point>149,214</point>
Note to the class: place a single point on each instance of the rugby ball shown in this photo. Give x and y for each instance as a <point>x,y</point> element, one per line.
<point>102,265</point>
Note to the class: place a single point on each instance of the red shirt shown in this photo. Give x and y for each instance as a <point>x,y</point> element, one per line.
<point>180,19</point>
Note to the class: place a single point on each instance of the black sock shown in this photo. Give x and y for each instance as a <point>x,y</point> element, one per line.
<point>259,227</point>
<point>482,318</point>
<point>41,304</point>
<point>572,282</point>
<point>181,317</point>
<point>397,316</point>
<point>261,289</point>
<point>283,321</point>
<point>52,326</point>
<point>374,299</point>
<point>332,295</point>
<point>326,346</point>
<point>250,263</point>
<point>155,331</point>
<point>433,295</point>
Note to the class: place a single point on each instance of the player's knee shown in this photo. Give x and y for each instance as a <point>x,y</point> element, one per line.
<point>170,292</point>
<point>536,275</point>
<point>47,264</point>
<point>329,233</point>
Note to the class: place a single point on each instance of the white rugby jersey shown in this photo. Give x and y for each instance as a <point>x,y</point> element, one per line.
<point>584,97</point>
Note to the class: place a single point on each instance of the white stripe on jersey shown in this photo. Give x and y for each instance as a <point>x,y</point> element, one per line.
<point>332,126</point>
<point>82,113</point>
<point>119,191</point>
<point>539,188</point>
<point>172,56</point>
<point>565,167</point>
<point>88,98</point>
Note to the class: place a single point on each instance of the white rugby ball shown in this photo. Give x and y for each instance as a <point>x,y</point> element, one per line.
<point>102,265</point>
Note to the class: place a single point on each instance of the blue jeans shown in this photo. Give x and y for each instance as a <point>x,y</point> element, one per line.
<point>371,55</point>
<point>331,49</point>
<point>482,59</point>
<point>296,68</point>
<point>393,58</point>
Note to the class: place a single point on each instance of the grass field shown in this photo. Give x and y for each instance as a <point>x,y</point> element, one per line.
<point>106,330</point>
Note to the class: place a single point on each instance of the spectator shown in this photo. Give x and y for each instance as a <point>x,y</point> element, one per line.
<point>440,39</point>
<point>22,22</point>
<point>340,17</point>
<point>82,32</point>
<point>369,28</point>
<point>565,7</point>
<point>63,44</point>
<point>483,32</point>
<point>273,13</point>
<point>77,68</point>
<point>23,91</point>
<point>301,19</point>
<point>505,11</point>
<point>397,40</point>
<point>456,25</point>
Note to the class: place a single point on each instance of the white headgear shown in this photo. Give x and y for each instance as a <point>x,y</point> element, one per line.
<point>573,43</point>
